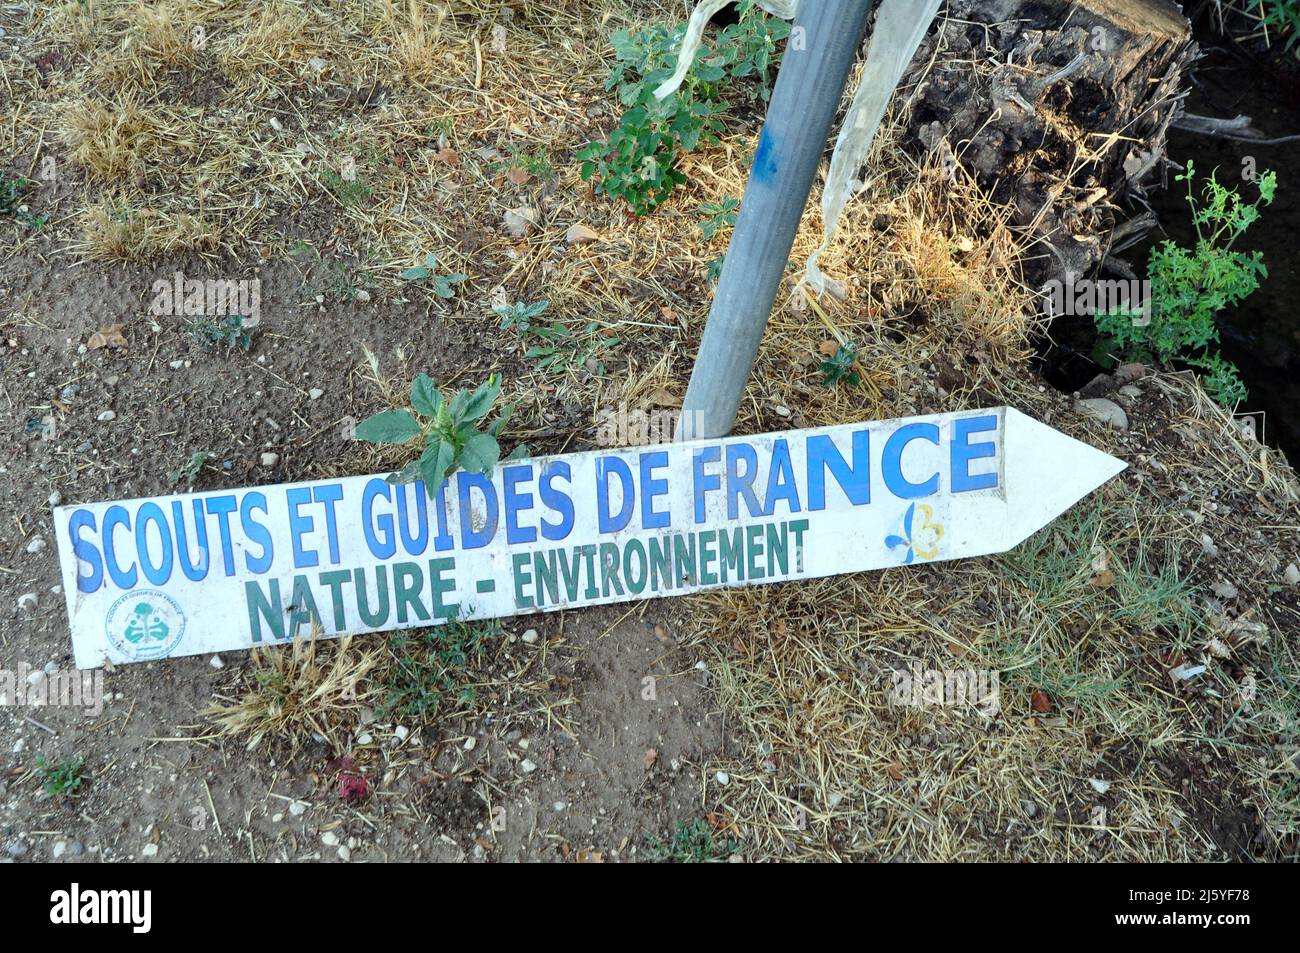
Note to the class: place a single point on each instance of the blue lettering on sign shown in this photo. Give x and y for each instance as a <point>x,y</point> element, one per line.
<point>299,525</point>
<point>517,502</point>
<point>613,522</point>
<point>780,481</point>
<point>703,482</point>
<point>151,513</point>
<point>85,552</point>
<point>556,500</point>
<point>855,481</point>
<point>255,531</point>
<point>329,495</point>
<point>378,531</point>
<point>963,452</point>
<point>116,516</point>
<point>192,573</point>
<point>222,507</point>
<point>652,489</point>
<point>469,537</point>
<point>741,484</point>
<point>892,463</point>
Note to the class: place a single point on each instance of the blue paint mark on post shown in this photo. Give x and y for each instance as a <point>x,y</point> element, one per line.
<point>765,164</point>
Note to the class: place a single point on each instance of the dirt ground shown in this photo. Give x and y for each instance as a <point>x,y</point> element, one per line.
<point>766,722</point>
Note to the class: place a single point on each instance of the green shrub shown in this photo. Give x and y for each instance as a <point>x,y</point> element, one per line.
<point>1190,286</point>
<point>447,432</point>
<point>639,161</point>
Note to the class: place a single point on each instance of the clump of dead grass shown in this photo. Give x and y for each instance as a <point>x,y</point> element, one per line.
<point>117,232</point>
<point>290,695</point>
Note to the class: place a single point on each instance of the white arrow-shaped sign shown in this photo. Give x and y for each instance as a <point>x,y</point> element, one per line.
<point>229,569</point>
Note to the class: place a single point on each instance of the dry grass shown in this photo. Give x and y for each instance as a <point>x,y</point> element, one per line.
<point>173,149</point>
<point>292,695</point>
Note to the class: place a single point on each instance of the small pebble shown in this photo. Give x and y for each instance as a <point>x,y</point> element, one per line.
<point>1224,590</point>
<point>36,545</point>
<point>106,416</point>
<point>315,393</point>
<point>270,459</point>
<point>149,850</point>
<point>216,662</point>
<point>1292,574</point>
<point>55,498</point>
<point>527,766</point>
<point>530,636</point>
<point>344,853</point>
<point>329,839</point>
<point>723,778</point>
<point>298,808</point>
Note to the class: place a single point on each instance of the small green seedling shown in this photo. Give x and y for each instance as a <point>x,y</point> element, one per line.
<point>189,470</point>
<point>231,330</point>
<point>713,274</point>
<point>559,348</point>
<point>432,665</point>
<point>693,843</point>
<point>62,779</point>
<point>447,432</point>
<point>718,215</point>
<point>349,191</point>
<point>520,315</point>
<point>442,284</point>
<point>841,367</point>
<point>12,189</point>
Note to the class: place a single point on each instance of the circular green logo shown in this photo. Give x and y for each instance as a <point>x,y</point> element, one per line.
<point>145,624</point>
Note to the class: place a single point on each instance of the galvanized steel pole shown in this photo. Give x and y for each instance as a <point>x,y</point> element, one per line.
<point>809,88</point>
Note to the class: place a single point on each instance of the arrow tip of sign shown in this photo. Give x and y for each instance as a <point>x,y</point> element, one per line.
<point>1048,473</point>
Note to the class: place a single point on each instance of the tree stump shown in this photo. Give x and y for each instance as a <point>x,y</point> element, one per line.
<point>1061,108</point>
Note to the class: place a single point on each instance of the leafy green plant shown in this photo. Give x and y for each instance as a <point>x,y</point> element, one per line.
<point>841,367</point>
<point>1280,18</point>
<point>639,161</point>
<point>1190,286</point>
<point>349,191</point>
<point>693,843</point>
<point>447,432</point>
<point>189,470</point>
<point>718,215</point>
<point>520,314</point>
<point>12,189</point>
<point>443,285</point>
<point>713,272</point>
<point>63,778</point>
<point>537,164</point>
<point>1221,380</point>
<point>231,331</point>
<point>557,347</point>
<point>348,281</point>
<point>431,666</point>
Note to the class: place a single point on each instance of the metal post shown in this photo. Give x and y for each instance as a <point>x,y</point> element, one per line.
<point>809,87</point>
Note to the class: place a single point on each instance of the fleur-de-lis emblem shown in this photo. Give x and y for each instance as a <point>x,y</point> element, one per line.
<point>921,534</point>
